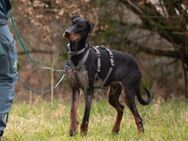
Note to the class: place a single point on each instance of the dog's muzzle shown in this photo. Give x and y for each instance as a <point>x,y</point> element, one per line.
<point>67,34</point>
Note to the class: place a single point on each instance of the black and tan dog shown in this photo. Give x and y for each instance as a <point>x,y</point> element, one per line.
<point>124,79</point>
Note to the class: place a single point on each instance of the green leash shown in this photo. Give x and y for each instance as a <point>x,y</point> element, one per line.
<point>23,46</point>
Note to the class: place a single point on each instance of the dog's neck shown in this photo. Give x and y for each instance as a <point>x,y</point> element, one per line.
<point>77,46</point>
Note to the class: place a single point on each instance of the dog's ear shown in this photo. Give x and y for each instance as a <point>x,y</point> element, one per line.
<point>91,26</point>
<point>74,17</point>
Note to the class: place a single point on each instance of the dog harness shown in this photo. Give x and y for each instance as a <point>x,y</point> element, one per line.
<point>84,59</point>
<point>99,64</point>
<point>80,64</point>
<point>73,53</point>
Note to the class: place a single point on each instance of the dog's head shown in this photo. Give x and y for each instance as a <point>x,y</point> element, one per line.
<point>78,29</point>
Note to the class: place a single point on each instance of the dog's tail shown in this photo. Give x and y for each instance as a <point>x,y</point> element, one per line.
<point>141,99</point>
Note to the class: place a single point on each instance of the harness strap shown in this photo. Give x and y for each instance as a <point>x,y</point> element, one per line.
<point>111,66</point>
<point>108,74</point>
<point>98,58</point>
<point>99,63</point>
<point>111,57</point>
<point>82,62</point>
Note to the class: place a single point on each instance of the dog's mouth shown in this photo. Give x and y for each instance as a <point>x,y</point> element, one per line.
<point>74,37</point>
<point>71,36</point>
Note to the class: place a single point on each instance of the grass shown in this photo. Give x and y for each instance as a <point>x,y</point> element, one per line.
<point>50,122</point>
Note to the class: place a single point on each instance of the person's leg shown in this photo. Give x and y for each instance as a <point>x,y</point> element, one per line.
<point>3,122</point>
<point>8,75</point>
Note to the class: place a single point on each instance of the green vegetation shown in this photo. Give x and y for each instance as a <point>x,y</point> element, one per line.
<point>50,122</point>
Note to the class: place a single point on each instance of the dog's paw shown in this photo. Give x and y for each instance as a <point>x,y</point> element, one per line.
<point>83,133</point>
<point>72,132</point>
<point>115,131</point>
<point>83,130</point>
<point>141,130</point>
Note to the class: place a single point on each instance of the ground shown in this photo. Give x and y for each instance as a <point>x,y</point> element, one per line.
<point>49,121</point>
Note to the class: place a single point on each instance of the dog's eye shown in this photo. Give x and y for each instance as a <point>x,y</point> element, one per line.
<point>80,26</point>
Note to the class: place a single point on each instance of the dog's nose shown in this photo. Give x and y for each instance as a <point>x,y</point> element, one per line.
<point>67,34</point>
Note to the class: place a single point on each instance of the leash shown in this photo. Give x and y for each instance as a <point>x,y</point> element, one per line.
<point>43,91</point>
<point>23,46</point>
<point>35,63</point>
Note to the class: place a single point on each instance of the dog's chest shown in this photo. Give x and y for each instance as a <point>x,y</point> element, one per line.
<point>78,78</point>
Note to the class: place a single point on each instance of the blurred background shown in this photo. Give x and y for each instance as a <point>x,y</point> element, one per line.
<point>153,31</point>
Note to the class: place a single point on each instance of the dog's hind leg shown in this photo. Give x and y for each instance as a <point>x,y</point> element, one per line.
<point>113,98</point>
<point>74,107</point>
<point>130,101</point>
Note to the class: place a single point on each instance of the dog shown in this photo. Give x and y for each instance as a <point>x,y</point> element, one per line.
<point>87,66</point>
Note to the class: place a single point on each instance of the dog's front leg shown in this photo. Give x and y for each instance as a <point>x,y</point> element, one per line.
<point>74,107</point>
<point>88,102</point>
